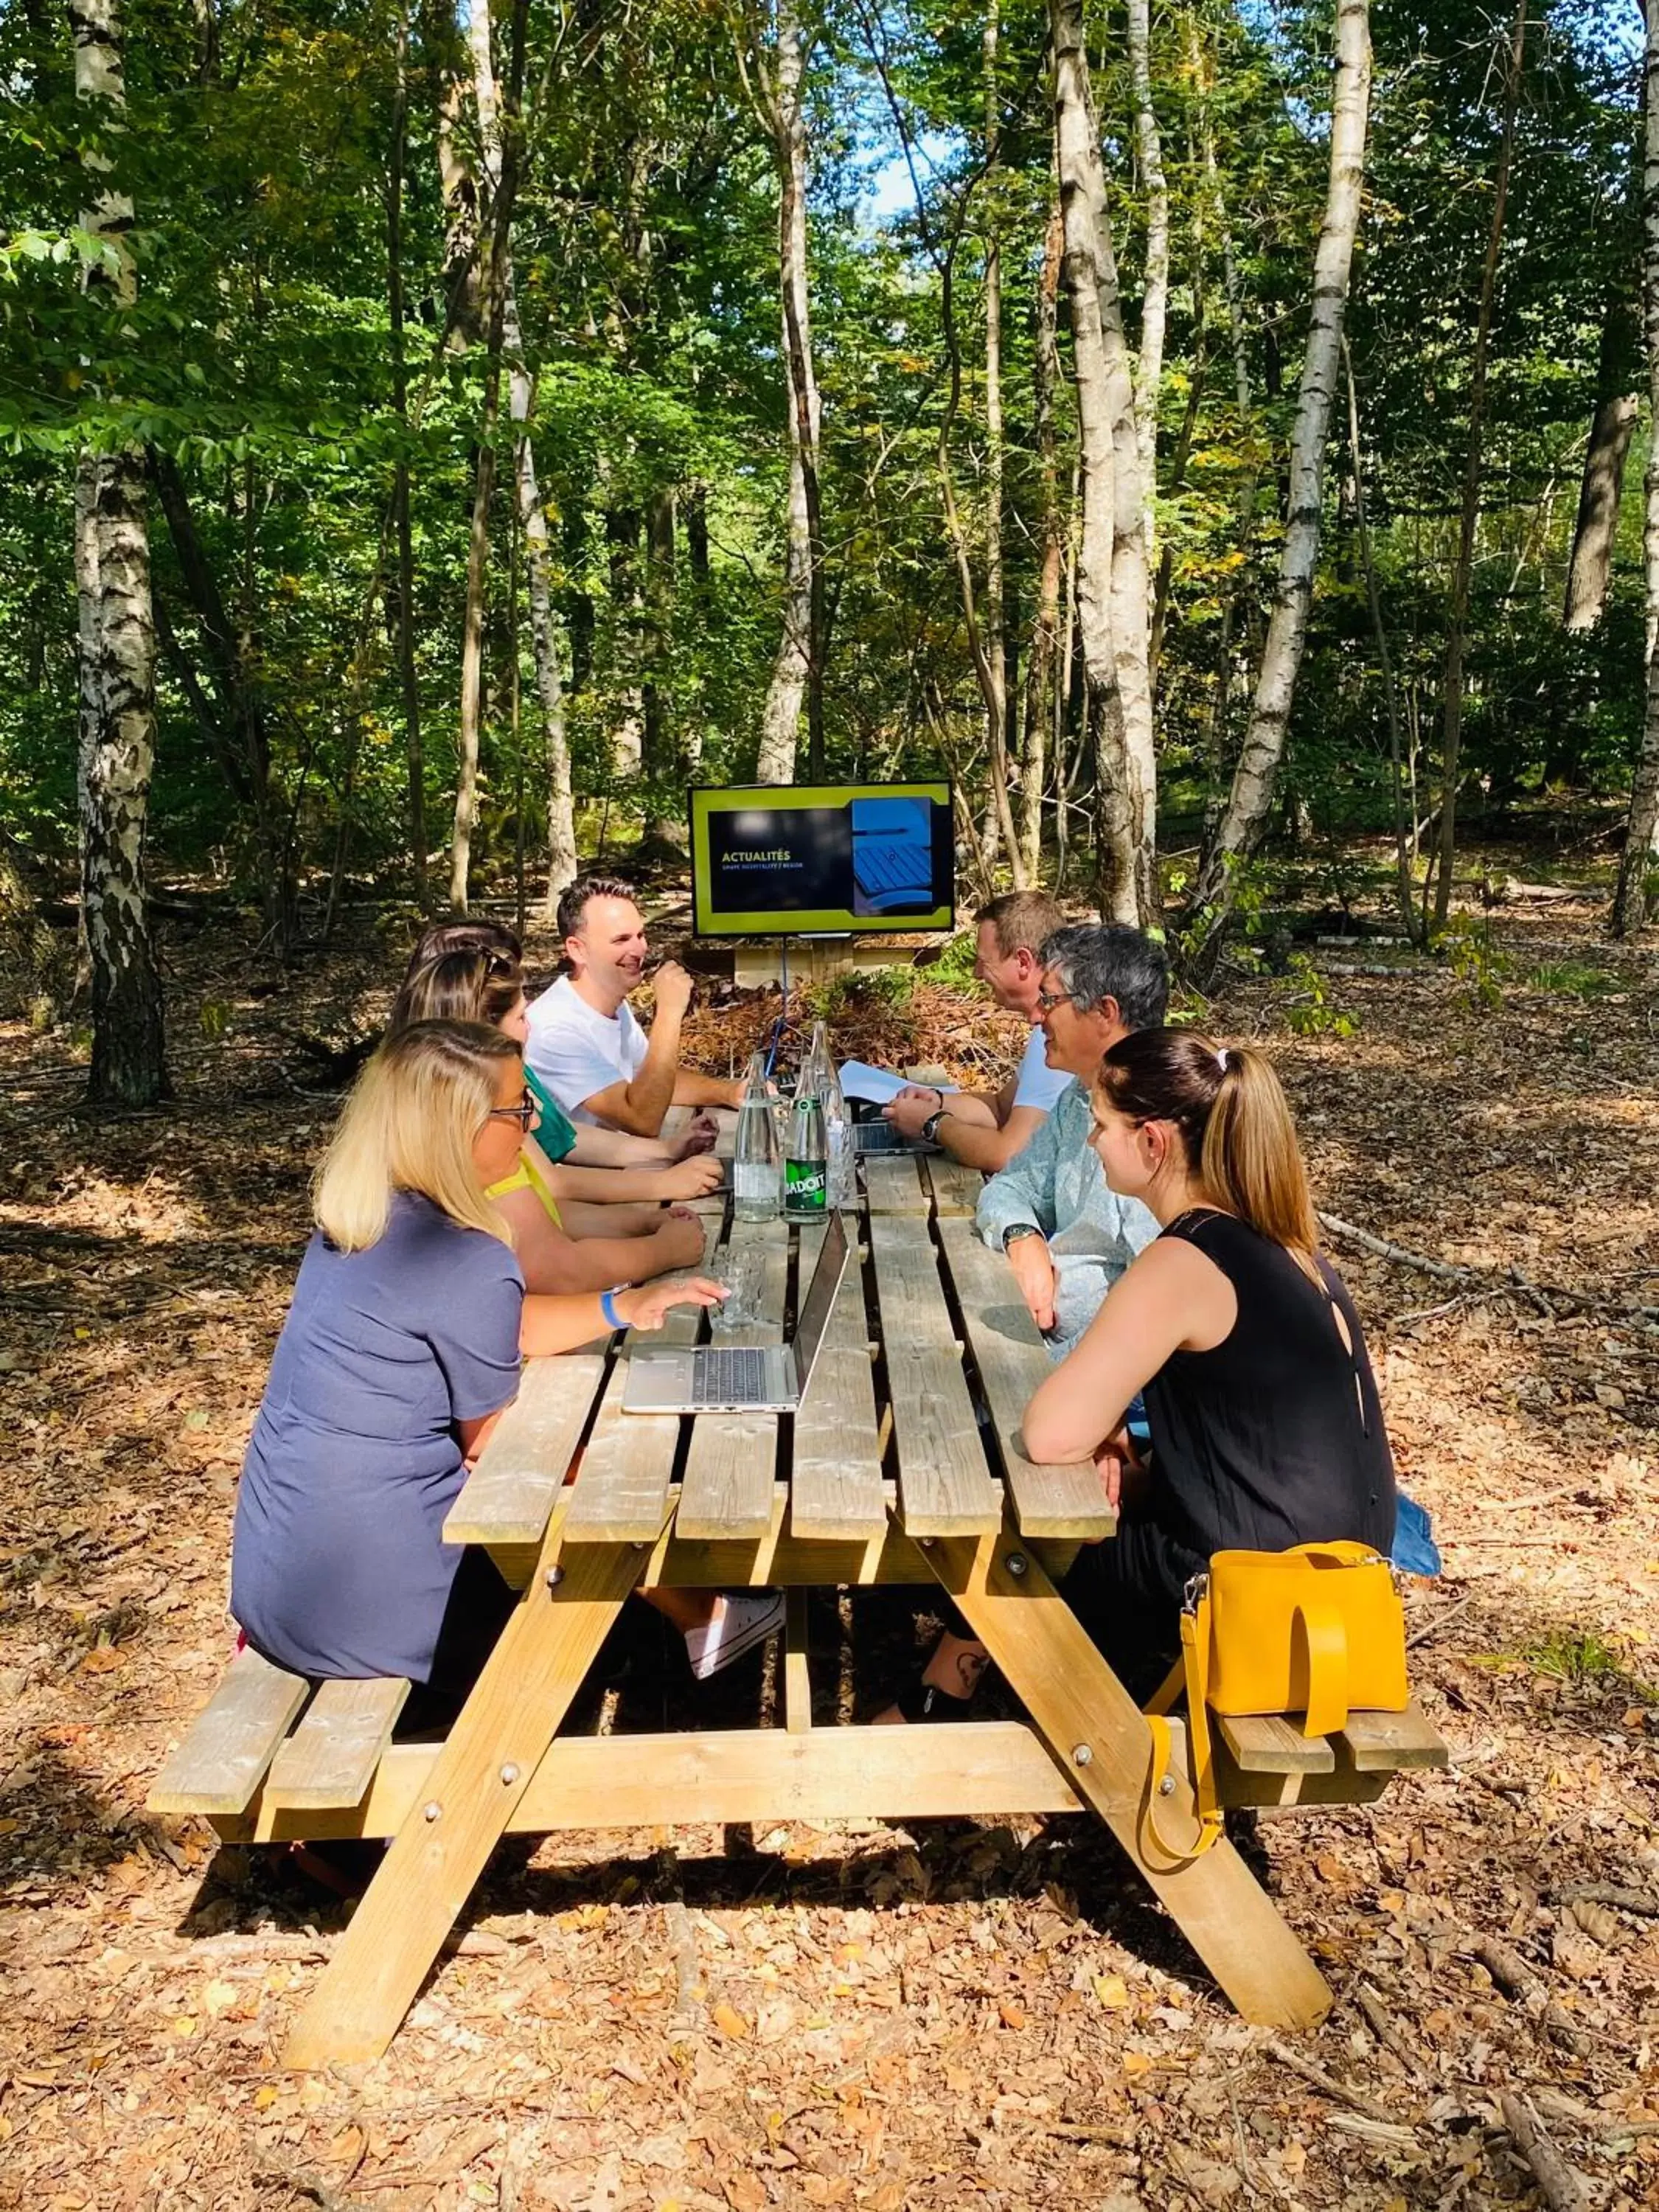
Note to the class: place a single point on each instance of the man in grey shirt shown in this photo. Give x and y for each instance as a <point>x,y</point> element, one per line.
<point>1068,1236</point>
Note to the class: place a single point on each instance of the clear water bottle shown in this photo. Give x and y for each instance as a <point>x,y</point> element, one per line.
<point>837,1123</point>
<point>806,1166</point>
<point>755,1165</point>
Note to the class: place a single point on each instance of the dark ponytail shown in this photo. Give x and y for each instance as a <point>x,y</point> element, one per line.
<point>1234,1122</point>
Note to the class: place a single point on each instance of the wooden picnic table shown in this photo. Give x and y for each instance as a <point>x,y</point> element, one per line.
<point>903,1465</point>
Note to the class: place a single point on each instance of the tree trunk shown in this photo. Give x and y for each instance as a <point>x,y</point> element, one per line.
<point>532,517</point>
<point>1112,604</point>
<point>1040,661</point>
<point>496,284</point>
<point>1149,151</point>
<point>117,641</point>
<point>798,668</point>
<point>1404,901</point>
<point>1452,690</point>
<point>240,711</point>
<point>1635,865</point>
<point>414,756</point>
<point>1250,798</point>
<point>1599,496</point>
<point>996,658</point>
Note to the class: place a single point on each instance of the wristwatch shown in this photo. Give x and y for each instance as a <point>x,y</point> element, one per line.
<point>1016,1229</point>
<point>932,1123</point>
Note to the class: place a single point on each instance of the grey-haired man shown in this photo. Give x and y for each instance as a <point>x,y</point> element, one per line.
<point>1068,1236</point>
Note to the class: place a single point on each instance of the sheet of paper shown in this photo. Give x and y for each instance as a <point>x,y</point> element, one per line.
<point>875,1084</point>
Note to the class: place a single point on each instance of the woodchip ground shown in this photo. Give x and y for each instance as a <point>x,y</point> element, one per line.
<point>937,2018</point>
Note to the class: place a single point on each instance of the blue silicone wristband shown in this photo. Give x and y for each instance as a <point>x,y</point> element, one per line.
<point>608,1307</point>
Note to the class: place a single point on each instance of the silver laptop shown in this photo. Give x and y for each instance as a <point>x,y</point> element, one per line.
<point>768,1378</point>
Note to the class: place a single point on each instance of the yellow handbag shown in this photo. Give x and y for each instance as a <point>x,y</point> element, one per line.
<point>1318,1630</point>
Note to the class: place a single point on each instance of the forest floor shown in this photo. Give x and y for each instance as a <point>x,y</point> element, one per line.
<point>951,2015</point>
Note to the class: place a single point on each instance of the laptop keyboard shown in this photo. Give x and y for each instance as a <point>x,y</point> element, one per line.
<point>729,1375</point>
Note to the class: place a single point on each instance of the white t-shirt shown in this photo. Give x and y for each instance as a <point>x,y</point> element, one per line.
<point>578,1052</point>
<point>1037,1084</point>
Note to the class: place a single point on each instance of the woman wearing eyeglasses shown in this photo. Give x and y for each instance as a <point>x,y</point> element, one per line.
<point>401,1344</point>
<point>562,1244</point>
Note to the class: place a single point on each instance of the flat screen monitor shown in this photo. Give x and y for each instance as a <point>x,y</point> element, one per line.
<point>772,860</point>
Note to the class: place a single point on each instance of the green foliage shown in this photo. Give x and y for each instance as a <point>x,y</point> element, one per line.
<point>1574,979</point>
<point>1585,1660</point>
<point>955,966</point>
<point>857,991</point>
<point>1467,947</point>
<point>1308,1008</point>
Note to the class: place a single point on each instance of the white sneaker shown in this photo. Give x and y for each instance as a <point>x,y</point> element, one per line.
<point>738,1623</point>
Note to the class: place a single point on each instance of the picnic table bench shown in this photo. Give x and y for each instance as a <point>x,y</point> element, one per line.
<point>903,1465</point>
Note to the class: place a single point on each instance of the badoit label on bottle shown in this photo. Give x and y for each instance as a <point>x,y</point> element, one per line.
<point>805,1185</point>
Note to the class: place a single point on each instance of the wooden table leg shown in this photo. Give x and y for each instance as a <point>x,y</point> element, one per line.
<point>483,1771</point>
<point>1095,1732</point>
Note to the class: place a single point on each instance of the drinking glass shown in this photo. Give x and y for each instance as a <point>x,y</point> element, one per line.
<point>742,1270</point>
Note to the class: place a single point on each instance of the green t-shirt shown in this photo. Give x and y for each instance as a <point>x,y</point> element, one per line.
<point>555,1133</point>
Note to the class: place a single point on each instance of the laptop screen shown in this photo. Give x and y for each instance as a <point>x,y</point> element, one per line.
<point>814,1316</point>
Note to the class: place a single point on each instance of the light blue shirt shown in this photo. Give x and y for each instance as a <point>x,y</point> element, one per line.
<point>1055,1184</point>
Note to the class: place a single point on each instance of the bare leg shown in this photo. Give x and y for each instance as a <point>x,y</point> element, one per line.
<point>687,1609</point>
<point>954,1667</point>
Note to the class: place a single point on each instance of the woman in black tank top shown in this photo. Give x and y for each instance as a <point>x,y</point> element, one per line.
<point>1266,1426</point>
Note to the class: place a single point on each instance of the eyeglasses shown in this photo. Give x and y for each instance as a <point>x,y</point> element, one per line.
<point>1047,1000</point>
<point>524,1113</point>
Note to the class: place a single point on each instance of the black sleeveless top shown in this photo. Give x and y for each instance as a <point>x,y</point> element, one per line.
<point>1265,1441</point>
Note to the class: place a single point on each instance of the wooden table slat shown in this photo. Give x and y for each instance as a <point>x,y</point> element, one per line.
<point>835,1494</point>
<point>892,1182</point>
<point>331,1757</point>
<point>222,1761</point>
<point>955,1188</point>
<point>945,1485</point>
<point>510,1494</point>
<point>1008,1353</point>
<point>621,1491</point>
<point>733,1459</point>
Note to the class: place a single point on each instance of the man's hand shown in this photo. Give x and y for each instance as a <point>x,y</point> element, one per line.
<point>1034,1271</point>
<point>679,1242</point>
<point>692,1178</point>
<point>673,988</point>
<point>699,1136</point>
<point>911,1106</point>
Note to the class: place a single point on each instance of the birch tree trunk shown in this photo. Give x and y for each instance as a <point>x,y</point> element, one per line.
<point>1112,599</point>
<point>1149,147</point>
<point>1630,901</point>
<point>798,667</point>
<point>532,516</point>
<point>1040,688</point>
<point>996,662</point>
<point>501,192</point>
<point>1248,803</point>
<point>116,632</point>
<point>1468,521</point>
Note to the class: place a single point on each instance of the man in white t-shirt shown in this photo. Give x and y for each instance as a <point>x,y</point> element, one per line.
<point>585,1044</point>
<point>985,1129</point>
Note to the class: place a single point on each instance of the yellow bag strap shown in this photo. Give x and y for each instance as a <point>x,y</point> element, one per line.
<point>1326,1635</point>
<point>1195,1656</point>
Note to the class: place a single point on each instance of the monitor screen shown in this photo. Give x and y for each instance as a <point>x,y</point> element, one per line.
<point>769,860</point>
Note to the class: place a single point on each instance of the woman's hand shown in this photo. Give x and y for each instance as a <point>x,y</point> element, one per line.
<point>695,1176</point>
<point>649,1306</point>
